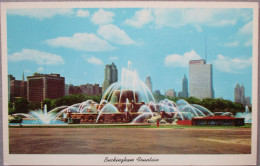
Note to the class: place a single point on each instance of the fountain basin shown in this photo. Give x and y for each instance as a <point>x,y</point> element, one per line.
<point>121,117</point>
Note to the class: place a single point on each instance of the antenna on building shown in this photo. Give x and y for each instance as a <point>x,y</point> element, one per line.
<point>206,49</point>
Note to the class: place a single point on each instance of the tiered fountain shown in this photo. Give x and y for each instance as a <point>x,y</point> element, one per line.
<point>126,101</point>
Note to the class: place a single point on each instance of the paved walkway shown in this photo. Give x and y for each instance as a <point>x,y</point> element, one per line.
<point>129,141</point>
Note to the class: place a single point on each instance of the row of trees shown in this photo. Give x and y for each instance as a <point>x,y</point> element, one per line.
<point>21,105</point>
<point>214,105</point>
<point>70,100</point>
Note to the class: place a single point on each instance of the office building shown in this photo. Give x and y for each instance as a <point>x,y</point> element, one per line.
<point>200,79</point>
<point>184,92</point>
<point>157,92</point>
<point>91,89</point>
<point>170,93</point>
<point>248,101</point>
<point>148,82</point>
<point>66,90</point>
<point>17,88</point>
<point>74,90</point>
<point>42,86</point>
<point>239,95</point>
<point>88,89</point>
<point>111,76</point>
<point>10,78</point>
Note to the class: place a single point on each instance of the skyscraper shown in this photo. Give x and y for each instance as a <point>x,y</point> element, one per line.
<point>239,95</point>
<point>200,76</point>
<point>66,89</point>
<point>242,95</point>
<point>149,84</point>
<point>247,101</point>
<point>185,87</point>
<point>111,76</point>
<point>184,92</point>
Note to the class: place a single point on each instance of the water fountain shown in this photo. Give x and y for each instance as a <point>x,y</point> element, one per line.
<point>247,115</point>
<point>126,101</point>
<point>131,101</point>
<point>42,117</point>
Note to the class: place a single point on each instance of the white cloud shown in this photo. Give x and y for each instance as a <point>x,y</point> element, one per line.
<point>231,44</point>
<point>206,17</point>
<point>93,60</point>
<point>140,18</point>
<point>229,65</point>
<point>40,13</point>
<point>115,35</point>
<point>81,42</point>
<point>176,18</point>
<point>102,17</point>
<point>40,69</point>
<point>181,60</point>
<point>246,29</point>
<point>113,58</point>
<point>39,57</point>
<point>82,13</point>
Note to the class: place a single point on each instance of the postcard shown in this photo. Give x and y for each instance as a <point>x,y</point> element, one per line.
<point>129,83</point>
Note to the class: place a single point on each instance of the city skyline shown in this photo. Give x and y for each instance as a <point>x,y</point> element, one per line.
<point>78,43</point>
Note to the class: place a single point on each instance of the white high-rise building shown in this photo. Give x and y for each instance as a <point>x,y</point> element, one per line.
<point>200,79</point>
<point>66,89</point>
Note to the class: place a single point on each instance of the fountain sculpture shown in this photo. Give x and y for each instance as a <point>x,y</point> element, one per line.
<point>126,101</point>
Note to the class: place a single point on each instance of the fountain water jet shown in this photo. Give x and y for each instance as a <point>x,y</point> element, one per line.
<point>247,115</point>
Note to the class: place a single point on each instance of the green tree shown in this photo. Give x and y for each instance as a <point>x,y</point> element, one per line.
<point>48,102</point>
<point>158,97</point>
<point>21,105</point>
<point>72,99</point>
<point>214,105</point>
<point>193,100</point>
<point>11,111</point>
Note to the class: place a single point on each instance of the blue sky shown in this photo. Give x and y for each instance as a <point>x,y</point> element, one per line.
<point>78,43</point>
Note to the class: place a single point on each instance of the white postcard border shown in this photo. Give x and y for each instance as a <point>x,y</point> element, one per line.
<point>98,159</point>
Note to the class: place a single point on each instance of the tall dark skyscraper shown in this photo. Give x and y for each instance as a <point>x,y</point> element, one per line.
<point>111,76</point>
<point>149,84</point>
<point>184,92</point>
